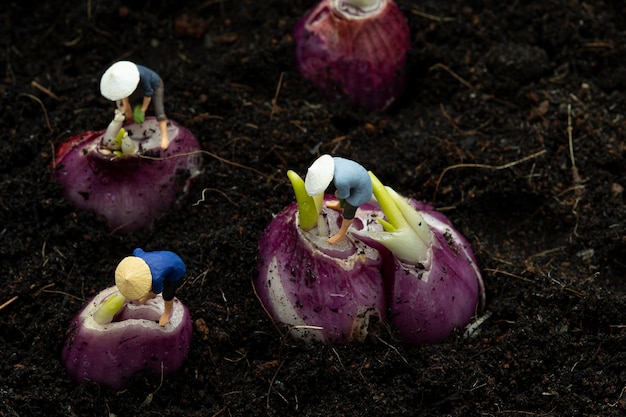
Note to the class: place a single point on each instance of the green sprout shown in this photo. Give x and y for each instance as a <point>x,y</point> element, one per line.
<point>118,141</point>
<point>308,207</point>
<point>119,137</point>
<point>109,308</point>
<point>406,233</point>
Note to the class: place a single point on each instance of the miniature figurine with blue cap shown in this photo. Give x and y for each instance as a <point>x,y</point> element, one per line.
<point>353,188</point>
<point>145,274</point>
<point>121,80</point>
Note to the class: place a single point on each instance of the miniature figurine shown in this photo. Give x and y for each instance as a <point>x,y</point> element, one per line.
<point>145,274</point>
<point>353,188</point>
<point>122,79</point>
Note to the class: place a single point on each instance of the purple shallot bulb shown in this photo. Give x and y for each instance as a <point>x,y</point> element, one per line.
<point>322,292</point>
<point>111,339</point>
<point>128,179</point>
<point>438,292</point>
<point>354,50</point>
<point>403,263</point>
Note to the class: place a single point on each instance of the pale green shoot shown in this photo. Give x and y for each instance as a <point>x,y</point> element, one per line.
<point>413,218</point>
<point>119,137</point>
<point>109,308</point>
<point>406,233</point>
<point>118,141</point>
<point>307,207</point>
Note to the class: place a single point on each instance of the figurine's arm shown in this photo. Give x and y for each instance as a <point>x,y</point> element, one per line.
<point>128,111</point>
<point>146,103</point>
<point>171,280</point>
<point>167,311</point>
<point>334,205</point>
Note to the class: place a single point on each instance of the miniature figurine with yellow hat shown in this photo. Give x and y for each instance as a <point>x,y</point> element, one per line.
<point>353,188</point>
<point>145,274</point>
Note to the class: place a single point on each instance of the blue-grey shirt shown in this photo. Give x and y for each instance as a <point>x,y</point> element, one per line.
<point>352,181</point>
<point>149,80</point>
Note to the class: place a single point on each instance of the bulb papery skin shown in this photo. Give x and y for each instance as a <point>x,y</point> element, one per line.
<point>429,301</point>
<point>423,300</point>
<point>320,292</point>
<point>130,191</point>
<point>356,57</point>
<point>112,353</point>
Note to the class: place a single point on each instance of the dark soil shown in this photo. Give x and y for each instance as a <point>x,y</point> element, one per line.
<point>496,90</point>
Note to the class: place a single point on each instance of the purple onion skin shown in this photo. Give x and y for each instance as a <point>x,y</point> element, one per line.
<point>361,61</point>
<point>111,354</point>
<point>427,302</point>
<point>129,191</point>
<point>323,293</point>
<point>423,302</point>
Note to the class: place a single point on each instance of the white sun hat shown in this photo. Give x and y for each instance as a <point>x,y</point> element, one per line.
<point>133,277</point>
<point>120,80</point>
<point>319,175</point>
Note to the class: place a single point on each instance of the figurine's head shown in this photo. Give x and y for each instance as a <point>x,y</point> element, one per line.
<point>120,80</point>
<point>319,175</point>
<point>133,278</point>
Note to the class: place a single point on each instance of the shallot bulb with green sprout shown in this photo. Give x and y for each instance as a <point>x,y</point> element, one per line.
<point>403,264</point>
<point>111,339</point>
<point>354,50</point>
<point>430,271</point>
<point>323,292</point>
<point>122,173</point>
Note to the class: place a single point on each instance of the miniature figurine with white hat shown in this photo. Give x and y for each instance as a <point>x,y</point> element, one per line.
<point>121,80</point>
<point>145,274</point>
<point>353,188</point>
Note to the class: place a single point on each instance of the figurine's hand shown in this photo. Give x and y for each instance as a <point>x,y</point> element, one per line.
<point>128,111</point>
<point>334,205</point>
<point>138,114</point>
<point>165,318</point>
